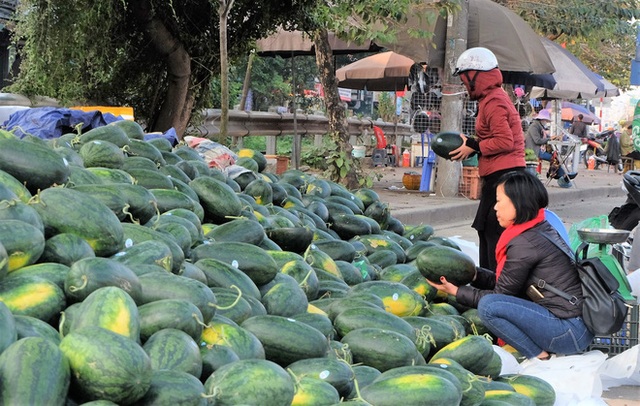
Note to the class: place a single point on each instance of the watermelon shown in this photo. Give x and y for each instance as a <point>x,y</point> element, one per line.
<point>171,387</point>
<point>33,371</point>
<point>412,389</point>
<point>445,142</point>
<point>243,343</point>
<point>382,349</point>
<point>66,210</point>
<point>23,242</point>
<point>533,387</point>
<point>175,350</point>
<point>438,260</point>
<point>8,333</point>
<point>110,308</point>
<point>32,296</point>
<point>286,340</point>
<point>335,372</point>
<point>178,314</point>
<point>36,165</point>
<point>243,382</point>
<point>106,365</point>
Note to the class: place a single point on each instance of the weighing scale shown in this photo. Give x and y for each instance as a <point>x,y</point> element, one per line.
<point>600,241</point>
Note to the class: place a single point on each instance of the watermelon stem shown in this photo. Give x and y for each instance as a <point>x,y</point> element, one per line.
<point>35,199</point>
<point>85,281</point>
<point>78,128</point>
<point>303,283</point>
<point>235,302</point>
<point>63,318</point>
<point>423,336</point>
<point>357,389</point>
<point>200,322</point>
<point>126,211</point>
<point>474,329</point>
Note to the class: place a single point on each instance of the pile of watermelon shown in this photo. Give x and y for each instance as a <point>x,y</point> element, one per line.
<point>132,273</point>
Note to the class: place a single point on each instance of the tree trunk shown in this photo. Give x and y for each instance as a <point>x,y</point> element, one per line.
<point>335,110</point>
<point>178,102</point>
<point>223,11</point>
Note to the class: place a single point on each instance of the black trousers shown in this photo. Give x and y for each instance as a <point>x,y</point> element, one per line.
<point>486,222</point>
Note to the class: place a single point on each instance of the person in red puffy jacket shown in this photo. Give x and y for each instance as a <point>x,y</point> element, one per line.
<point>499,141</point>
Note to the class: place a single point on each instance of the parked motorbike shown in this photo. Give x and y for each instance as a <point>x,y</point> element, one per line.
<point>627,216</point>
<point>595,147</point>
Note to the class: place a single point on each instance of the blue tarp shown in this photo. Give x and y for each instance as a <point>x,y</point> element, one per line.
<point>52,122</point>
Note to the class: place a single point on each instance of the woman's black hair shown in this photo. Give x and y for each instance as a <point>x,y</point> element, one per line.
<point>526,192</point>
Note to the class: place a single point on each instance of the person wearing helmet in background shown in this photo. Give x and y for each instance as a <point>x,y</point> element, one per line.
<point>499,141</point>
<point>537,138</point>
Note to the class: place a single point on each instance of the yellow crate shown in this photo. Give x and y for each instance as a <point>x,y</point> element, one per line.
<point>125,112</point>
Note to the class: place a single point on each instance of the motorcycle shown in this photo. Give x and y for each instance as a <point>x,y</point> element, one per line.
<point>595,147</point>
<point>627,216</point>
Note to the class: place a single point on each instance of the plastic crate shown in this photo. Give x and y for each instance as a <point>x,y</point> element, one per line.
<point>621,341</point>
<point>470,185</point>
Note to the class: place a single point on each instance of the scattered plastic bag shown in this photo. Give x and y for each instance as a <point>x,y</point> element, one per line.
<point>216,155</point>
<point>601,221</point>
<point>623,369</point>
<point>575,378</point>
<point>233,171</point>
<point>510,364</point>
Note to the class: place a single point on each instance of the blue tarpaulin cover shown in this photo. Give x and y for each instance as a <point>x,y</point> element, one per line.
<point>52,122</point>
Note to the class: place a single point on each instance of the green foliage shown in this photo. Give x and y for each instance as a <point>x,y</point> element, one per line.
<point>386,106</point>
<point>235,92</point>
<point>314,156</point>
<point>81,51</point>
<point>530,155</point>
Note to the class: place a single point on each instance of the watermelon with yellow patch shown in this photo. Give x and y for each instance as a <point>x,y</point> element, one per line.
<point>397,298</point>
<point>472,352</point>
<point>23,242</point>
<point>321,260</point>
<point>257,156</point>
<point>32,296</point>
<point>533,387</point>
<point>111,308</point>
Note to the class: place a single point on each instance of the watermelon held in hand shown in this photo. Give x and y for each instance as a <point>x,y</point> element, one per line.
<point>439,260</point>
<point>445,142</point>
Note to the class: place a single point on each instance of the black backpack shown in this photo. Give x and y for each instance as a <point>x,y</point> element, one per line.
<point>604,310</point>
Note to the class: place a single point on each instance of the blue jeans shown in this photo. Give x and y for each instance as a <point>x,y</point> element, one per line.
<point>531,328</point>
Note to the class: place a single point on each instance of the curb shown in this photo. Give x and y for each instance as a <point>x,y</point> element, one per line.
<point>437,211</point>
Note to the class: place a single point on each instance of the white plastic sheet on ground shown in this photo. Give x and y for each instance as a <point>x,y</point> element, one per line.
<point>622,369</point>
<point>575,378</point>
<point>579,380</point>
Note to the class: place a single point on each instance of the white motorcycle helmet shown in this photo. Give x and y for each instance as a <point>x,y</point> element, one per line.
<point>479,58</point>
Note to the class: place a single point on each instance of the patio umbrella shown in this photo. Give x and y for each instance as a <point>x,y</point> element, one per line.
<point>516,46</point>
<point>379,72</point>
<point>293,43</point>
<point>570,110</point>
<point>574,80</point>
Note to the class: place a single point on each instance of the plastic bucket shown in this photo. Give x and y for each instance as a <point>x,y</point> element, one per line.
<point>358,151</point>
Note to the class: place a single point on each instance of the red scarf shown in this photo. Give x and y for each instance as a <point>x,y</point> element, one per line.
<point>508,234</point>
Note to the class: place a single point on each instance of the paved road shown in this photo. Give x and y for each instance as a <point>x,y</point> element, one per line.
<point>570,213</point>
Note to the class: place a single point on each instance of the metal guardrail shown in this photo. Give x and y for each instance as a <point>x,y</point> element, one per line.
<point>252,123</point>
